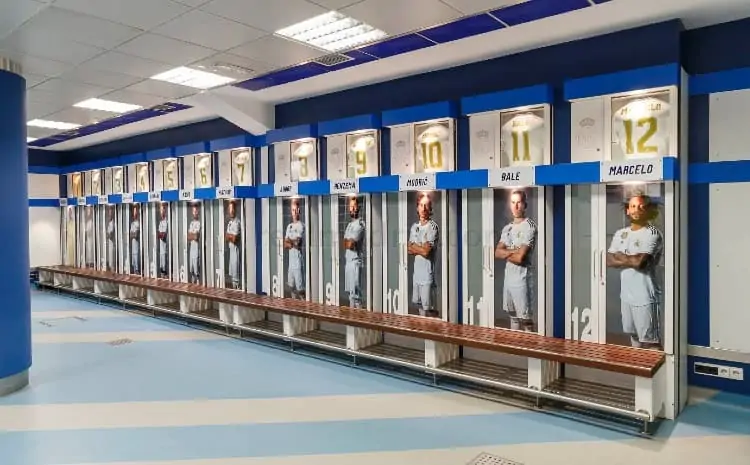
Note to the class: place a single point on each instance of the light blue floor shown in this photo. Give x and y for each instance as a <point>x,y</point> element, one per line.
<point>81,373</point>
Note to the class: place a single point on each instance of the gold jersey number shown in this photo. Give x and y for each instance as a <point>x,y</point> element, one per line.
<point>522,148</point>
<point>432,155</point>
<point>641,145</point>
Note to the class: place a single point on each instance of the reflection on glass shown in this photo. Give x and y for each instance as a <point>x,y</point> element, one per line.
<point>111,238</point>
<point>352,223</point>
<point>583,276</point>
<point>475,257</point>
<point>422,248</point>
<point>515,267</point>
<point>634,261</point>
<point>162,234</point>
<point>294,244</point>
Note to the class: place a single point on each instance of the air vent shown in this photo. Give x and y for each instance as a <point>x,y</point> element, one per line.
<point>333,59</point>
<point>488,459</point>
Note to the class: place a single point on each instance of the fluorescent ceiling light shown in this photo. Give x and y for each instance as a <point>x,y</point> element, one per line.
<point>107,105</point>
<point>193,78</point>
<point>332,31</point>
<point>40,123</point>
<point>30,139</point>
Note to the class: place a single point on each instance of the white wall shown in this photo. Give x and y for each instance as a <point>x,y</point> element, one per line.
<point>44,222</point>
<point>729,243</point>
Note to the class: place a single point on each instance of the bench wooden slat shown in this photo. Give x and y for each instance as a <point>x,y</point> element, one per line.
<point>621,359</point>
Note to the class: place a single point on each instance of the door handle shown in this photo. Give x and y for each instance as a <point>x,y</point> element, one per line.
<point>602,264</point>
<point>593,263</point>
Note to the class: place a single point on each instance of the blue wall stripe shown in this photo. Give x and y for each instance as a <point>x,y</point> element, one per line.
<point>160,154</point>
<point>170,196</point>
<point>140,197</point>
<point>132,158</point>
<point>397,46</point>
<point>719,172</point>
<point>44,202</point>
<point>44,170</point>
<point>314,188</point>
<point>247,140</point>
<point>291,133</point>
<point>204,193</point>
<point>561,154</point>
<point>245,192</point>
<point>191,149</point>
<point>462,28</point>
<point>111,198</point>
<point>463,144</point>
<point>265,191</point>
<point>379,184</point>
<point>419,113</point>
<point>712,382</point>
<point>346,125</point>
<point>476,179</point>
<point>624,81</point>
<point>533,10</point>
<point>507,99</point>
<point>569,173</point>
<point>723,81</point>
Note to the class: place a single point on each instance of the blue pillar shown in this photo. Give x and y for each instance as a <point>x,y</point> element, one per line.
<point>15,302</point>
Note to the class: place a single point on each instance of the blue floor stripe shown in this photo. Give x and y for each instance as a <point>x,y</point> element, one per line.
<point>99,325</point>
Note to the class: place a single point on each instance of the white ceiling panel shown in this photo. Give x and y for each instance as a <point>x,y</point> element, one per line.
<point>33,79</point>
<point>233,66</point>
<point>267,15</point>
<point>399,16</point>
<point>335,4</point>
<point>277,51</point>
<point>40,66</point>
<point>16,12</point>
<point>159,48</point>
<point>199,27</point>
<point>46,45</point>
<point>193,3</point>
<point>475,6</point>
<point>143,14</point>
<point>71,90</point>
<point>39,133</point>
<point>135,98</point>
<point>90,75</point>
<point>81,116</point>
<point>80,28</point>
<point>123,63</point>
<point>165,90</point>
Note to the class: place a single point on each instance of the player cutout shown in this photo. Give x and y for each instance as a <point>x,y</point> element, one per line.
<point>135,242</point>
<point>294,240</point>
<point>163,235</point>
<point>641,128</point>
<point>232,237</point>
<point>194,236</point>
<point>636,251</point>
<point>423,238</point>
<point>516,246</point>
<point>90,258</point>
<point>353,238</point>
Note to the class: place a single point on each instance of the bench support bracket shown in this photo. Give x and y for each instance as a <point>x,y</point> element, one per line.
<point>360,338</point>
<point>294,325</point>
<point>439,353</point>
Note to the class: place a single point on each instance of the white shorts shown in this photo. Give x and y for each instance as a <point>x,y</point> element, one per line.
<point>516,302</point>
<point>421,294</point>
<point>295,280</point>
<point>352,279</point>
<point>641,321</point>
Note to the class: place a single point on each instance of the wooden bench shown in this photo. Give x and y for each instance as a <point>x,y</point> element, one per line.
<point>362,337</point>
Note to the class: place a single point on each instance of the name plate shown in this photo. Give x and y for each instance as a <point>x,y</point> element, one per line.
<point>127,197</point>
<point>102,199</point>
<point>512,177</point>
<point>285,189</point>
<point>187,194</point>
<point>154,196</point>
<point>224,192</point>
<point>63,202</point>
<point>345,186</point>
<point>638,170</point>
<point>81,201</point>
<point>416,182</point>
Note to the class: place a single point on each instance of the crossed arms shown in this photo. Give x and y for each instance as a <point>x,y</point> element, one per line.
<point>515,256</point>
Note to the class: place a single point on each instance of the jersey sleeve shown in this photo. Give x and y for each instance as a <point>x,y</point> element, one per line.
<point>651,243</point>
<point>528,234</point>
<point>413,233</point>
<point>504,235</point>
<point>614,246</point>
<point>288,233</point>
<point>358,231</point>
<point>431,234</point>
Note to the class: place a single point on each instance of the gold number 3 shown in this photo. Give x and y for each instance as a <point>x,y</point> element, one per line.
<point>641,145</point>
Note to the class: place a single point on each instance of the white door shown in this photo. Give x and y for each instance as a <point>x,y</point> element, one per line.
<point>293,247</point>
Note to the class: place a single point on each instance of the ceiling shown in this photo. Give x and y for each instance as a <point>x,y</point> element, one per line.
<point>72,50</point>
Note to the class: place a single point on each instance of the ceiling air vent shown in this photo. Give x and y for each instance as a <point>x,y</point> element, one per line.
<point>333,59</point>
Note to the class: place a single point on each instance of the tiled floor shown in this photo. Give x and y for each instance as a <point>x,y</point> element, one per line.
<point>177,396</point>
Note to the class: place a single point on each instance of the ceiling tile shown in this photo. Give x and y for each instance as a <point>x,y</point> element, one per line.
<point>162,89</point>
<point>267,15</point>
<point>193,3</point>
<point>38,133</point>
<point>71,90</point>
<point>45,45</point>
<point>90,75</point>
<point>135,98</point>
<point>36,65</point>
<point>398,16</point>
<point>144,14</point>
<point>233,66</point>
<point>33,79</point>
<point>78,27</point>
<point>16,13</point>
<point>335,4</point>
<point>166,50</point>
<point>475,6</point>
<point>277,51</point>
<point>123,63</point>
<point>81,116</point>
<point>209,30</point>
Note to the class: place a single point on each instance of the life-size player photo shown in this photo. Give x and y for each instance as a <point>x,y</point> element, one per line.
<point>352,225</point>
<point>89,237</point>
<point>162,236</point>
<point>233,242</point>
<point>515,260</point>
<point>111,233</point>
<point>424,255</point>
<point>636,251</point>
<point>194,241</point>
<point>294,244</point>
<point>134,235</point>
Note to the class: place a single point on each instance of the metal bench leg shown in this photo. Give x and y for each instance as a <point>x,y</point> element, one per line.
<point>542,373</point>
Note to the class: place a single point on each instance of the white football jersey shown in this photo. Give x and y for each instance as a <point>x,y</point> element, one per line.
<point>641,128</point>
<point>359,152</point>
<point>241,164</point>
<point>523,140</point>
<point>433,150</point>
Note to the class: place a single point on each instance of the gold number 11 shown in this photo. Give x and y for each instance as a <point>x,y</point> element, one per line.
<point>526,146</point>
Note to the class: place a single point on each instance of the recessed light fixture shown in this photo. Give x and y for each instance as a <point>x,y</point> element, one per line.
<point>41,123</point>
<point>332,31</point>
<point>189,77</point>
<point>30,139</point>
<point>107,105</point>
